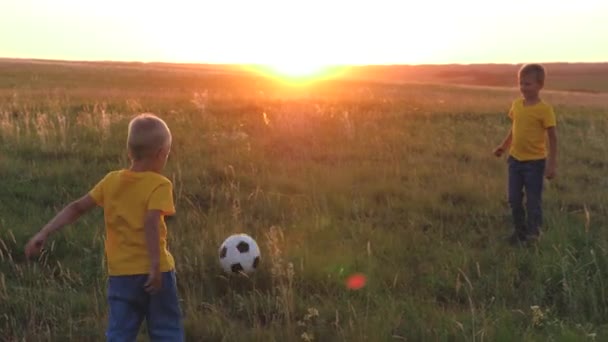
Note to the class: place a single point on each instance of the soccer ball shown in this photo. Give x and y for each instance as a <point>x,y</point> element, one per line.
<point>239,253</point>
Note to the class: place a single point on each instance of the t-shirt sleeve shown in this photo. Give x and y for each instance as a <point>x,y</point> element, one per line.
<point>97,192</point>
<point>511,110</point>
<point>549,118</point>
<point>162,199</point>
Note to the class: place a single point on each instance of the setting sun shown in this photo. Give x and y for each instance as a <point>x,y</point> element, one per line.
<point>298,71</point>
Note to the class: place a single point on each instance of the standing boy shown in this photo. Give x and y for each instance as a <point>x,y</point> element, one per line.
<point>533,120</point>
<point>141,270</point>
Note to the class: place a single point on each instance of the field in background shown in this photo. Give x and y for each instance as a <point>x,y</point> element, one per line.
<point>586,77</point>
<point>391,179</point>
<point>577,77</point>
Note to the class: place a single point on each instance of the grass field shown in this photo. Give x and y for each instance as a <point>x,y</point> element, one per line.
<point>396,181</point>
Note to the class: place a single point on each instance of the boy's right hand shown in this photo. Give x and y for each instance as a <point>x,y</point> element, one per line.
<point>498,151</point>
<point>34,246</point>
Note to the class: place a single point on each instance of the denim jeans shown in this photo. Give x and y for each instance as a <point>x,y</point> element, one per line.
<point>528,176</point>
<point>129,304</point>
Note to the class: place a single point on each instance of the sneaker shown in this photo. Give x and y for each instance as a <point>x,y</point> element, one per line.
<point>516,239</point>
<point>532,238</point>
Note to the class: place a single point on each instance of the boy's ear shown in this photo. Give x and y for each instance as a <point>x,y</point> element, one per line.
<point>160,152</point>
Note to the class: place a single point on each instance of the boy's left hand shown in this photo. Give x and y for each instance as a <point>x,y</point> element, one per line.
<point>154,282</point>
<point>550,172</point>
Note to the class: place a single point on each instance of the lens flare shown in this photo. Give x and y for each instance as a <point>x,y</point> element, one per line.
<point>356,281</point>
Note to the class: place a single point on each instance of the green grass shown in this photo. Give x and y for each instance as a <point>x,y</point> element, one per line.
<point>395,181</point>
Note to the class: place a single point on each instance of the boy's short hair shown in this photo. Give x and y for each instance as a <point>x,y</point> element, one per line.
<point>147,134</point>
<point>533,69</point>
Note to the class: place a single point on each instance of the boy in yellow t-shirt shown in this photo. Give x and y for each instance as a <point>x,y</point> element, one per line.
<point>533,121</point>
<point>141,271</point>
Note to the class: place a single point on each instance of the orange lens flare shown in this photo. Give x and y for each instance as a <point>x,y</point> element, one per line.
<point>356,281</point>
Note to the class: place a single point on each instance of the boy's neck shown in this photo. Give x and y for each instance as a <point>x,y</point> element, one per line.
<point>528,101</point>
<point>142,166</point>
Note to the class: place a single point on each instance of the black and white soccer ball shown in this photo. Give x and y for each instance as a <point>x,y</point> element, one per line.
<point>239,253</point>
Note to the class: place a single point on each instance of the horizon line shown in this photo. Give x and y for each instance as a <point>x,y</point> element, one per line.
<point>118,61</point>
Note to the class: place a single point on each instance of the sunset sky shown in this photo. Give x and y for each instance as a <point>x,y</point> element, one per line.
<point>306,32</point>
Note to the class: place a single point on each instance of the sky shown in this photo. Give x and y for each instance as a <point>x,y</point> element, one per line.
<point>307,32</point>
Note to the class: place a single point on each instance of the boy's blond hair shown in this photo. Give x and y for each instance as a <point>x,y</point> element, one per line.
<point>147,134</point>
<point>534,69</point>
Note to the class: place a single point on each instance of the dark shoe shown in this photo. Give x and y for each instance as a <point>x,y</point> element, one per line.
<point>516,239</point>
<point>532,238</point>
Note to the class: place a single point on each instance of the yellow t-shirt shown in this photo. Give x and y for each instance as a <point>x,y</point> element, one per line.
<point>530,124</point>
<point>126,196</point>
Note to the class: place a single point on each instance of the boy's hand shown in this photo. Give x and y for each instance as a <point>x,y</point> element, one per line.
<point>550,171</point>
<point>35,244</point>
<point>66,216</point>
<point>498,151</point>
<point>154,282</point>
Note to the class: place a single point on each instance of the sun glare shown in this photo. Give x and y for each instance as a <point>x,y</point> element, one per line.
<point>299,71</point>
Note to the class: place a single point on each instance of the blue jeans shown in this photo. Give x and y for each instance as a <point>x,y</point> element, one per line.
<point>129,304</point>
<point>528,176</point>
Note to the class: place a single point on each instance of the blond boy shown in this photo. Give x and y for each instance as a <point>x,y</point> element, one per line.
<point>533,120</point>
<point>141,270</point>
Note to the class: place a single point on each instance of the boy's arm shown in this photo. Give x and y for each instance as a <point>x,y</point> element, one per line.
<point>507,141</point>
<point>151,223</point>
<point>552,158</point>
<point>498,151</point>
<point>160,203</point>
<point>67,215</point>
